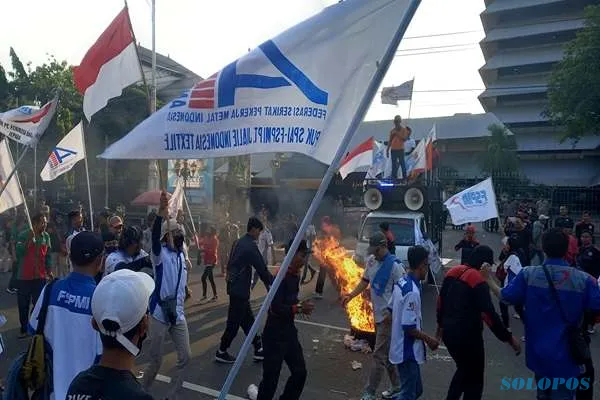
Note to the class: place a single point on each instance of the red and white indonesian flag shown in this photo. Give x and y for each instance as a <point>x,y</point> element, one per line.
<point>68,152</point>
<point>361,156</point>
<point>12,196</point>
<point>109,66</point>
<point>27,123</point>
<point>297,92</point>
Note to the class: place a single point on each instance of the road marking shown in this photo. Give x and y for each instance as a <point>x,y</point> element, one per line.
<point>339,328</point>
<point>198,388</point>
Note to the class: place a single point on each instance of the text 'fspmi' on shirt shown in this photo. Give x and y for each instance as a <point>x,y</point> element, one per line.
<point>75,344</point>
<point>406,315</point>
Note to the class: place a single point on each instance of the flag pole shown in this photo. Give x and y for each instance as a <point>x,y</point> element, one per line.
<point>187,207</point>
<point>27,214</point>
<point>382,67</point>
<point>150,93</point>
<point>87,175</point>
<point>411,98</point>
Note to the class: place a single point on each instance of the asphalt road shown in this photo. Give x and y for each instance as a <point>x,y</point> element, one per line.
<point>330,375</point>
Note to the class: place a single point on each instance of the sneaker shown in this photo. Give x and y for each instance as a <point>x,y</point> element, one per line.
<point>317,296</point>
<point>252,392</point>
<point>591,330</point>
<point>224,357</point>
<point>204,298</point>
<point>11,290</point>
<point>259,355</point>
<point>214,298</point>
<point>23,335</point>
<point>140,375</point>
<point>391,393</point>
<point>516,316</point>
<point>523,339</point>
<point>368,396</point>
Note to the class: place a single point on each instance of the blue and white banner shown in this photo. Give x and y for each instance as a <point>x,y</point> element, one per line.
<point>475,204</point>
<point>295,93</point>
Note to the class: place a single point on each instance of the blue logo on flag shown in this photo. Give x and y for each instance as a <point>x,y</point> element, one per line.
<point>59,154</point>
<point>219,90</point>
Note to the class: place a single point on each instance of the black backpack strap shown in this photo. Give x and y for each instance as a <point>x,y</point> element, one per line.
<point>44,309</point>
<point>555,295</point>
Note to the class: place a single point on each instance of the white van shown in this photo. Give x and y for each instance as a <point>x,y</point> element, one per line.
<point>402,223</point>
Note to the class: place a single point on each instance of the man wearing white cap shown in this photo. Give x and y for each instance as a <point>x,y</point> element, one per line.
<point>167,301</point>
<point>120,314</point>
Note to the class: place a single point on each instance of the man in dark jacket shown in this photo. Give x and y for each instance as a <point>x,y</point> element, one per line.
<point>281,337</point>
<point>244,256</point>
<point>463,302</point>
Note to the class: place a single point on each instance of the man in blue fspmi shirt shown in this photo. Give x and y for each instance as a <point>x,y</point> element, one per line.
<point>548,349</point>
<point>407,348</point>
<point>75,344</point>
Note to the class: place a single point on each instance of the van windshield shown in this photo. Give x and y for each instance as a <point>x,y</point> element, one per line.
<point>403,229</point>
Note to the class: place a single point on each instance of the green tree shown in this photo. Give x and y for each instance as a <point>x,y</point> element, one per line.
<point>500,158</point>
<point>574,92</point>
<point>4,90</point>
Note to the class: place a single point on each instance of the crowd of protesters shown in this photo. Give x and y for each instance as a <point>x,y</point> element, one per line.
<point>111,278</point>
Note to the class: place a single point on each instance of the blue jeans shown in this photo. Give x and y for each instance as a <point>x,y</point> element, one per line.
<point>561,393</point>
<point>411,386</point>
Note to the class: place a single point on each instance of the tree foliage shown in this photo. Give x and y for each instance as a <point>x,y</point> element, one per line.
<point>21,86</point>
<point>574,93</point>
<point>500,158</point>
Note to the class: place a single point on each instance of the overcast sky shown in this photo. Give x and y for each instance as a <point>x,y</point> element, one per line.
<point>205,35</point>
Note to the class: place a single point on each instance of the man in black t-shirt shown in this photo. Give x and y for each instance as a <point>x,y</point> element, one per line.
<point>119,307</point>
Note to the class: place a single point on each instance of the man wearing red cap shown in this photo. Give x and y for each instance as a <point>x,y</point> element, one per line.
<point>467,244</point>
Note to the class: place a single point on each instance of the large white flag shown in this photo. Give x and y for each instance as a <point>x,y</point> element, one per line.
<point>27,123</point>
<point>12,196</point>
<point>295,93</point>
<point>475,204</point>
<point>65,155</point>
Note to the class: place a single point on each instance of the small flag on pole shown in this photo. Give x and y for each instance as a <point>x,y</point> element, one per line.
<point>68,152</point>
<point>109,66</point>
<point>393,94</point>
<point>176,200</point>
<point>12,196</point>
<point>475,204</point>
<point>26,124</point>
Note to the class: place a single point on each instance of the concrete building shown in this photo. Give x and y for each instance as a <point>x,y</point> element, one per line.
<point>524,40</point>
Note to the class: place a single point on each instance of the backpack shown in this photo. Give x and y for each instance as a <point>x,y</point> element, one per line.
<point>32,370</point>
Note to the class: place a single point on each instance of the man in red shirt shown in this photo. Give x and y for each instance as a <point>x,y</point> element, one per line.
<point>33,267</point>
<point>209,245</point>
<point>573,248</point>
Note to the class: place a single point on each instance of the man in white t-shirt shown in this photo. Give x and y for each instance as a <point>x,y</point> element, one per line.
<point>68,330</point>
<point>407,349</point>
<point>512,267</point>
<point>382,270</point>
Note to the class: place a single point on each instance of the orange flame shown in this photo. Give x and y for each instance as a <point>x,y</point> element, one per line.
<point>347,275</point>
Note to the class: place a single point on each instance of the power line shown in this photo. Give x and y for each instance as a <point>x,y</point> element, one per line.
<point>442,34</point>
<point>439,47</point>
<point>434,52</point>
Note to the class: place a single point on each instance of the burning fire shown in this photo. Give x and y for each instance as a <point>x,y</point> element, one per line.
<point>347,275</point>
